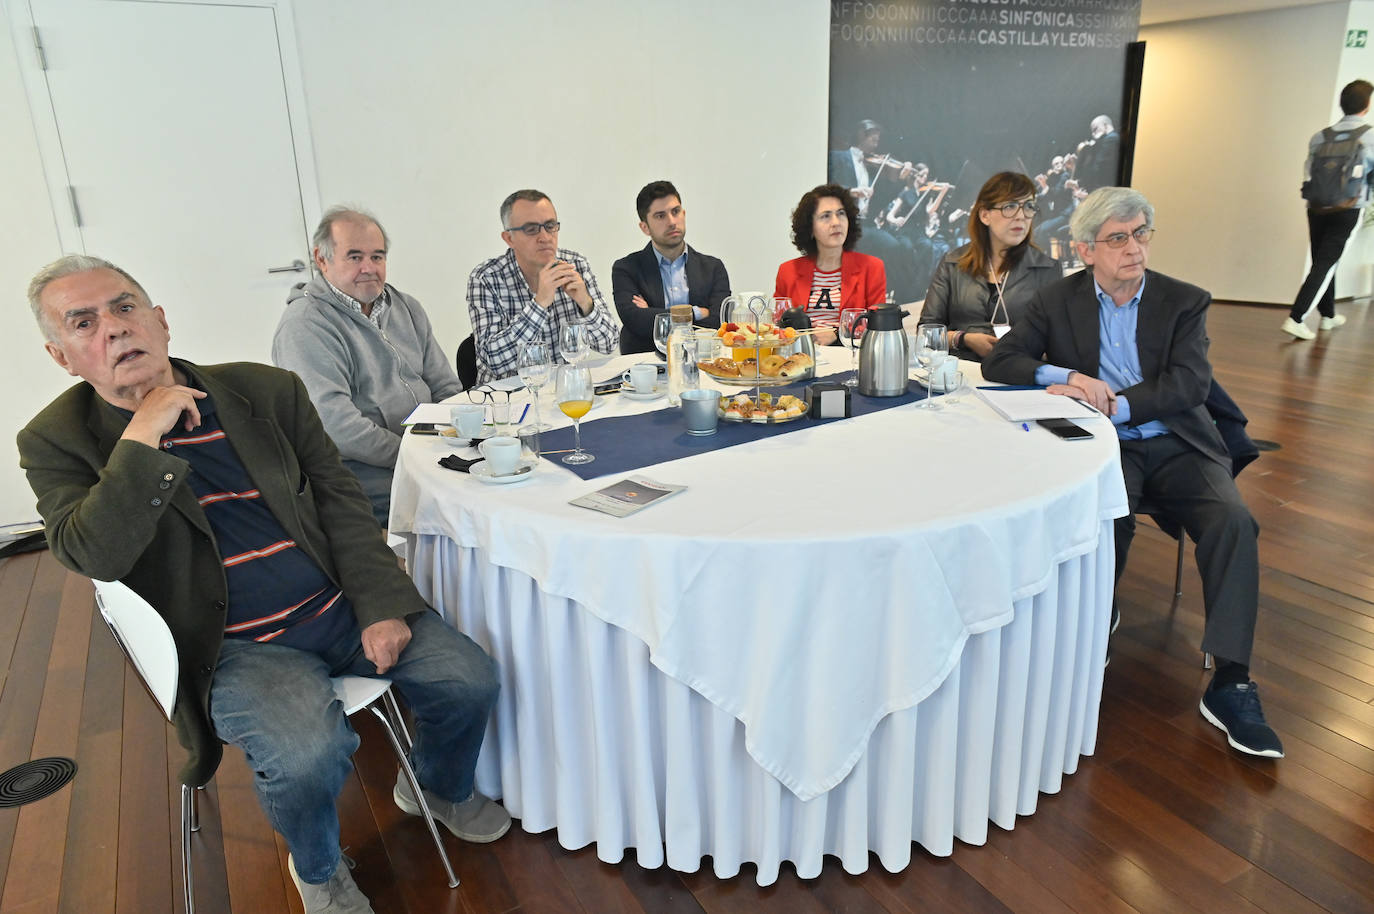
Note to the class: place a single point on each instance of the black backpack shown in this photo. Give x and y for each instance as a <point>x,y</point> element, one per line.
<point>1337,169</point>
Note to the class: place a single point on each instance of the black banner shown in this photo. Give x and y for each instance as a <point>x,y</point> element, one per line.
<point>930,98</point>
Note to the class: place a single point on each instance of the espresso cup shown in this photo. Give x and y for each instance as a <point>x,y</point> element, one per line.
<point>467,419</point>
<point>502,454</point>
<point>641,378</point>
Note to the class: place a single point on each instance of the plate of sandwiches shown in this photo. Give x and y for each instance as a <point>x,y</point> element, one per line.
<point>766,410</point>
<point>770,370</point>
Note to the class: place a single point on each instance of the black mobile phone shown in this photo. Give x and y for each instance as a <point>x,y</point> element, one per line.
<point>424,428</point>
<point>1065,429</point>
<point>606,387</point>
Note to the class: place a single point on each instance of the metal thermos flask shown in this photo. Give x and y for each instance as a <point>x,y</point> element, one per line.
<point>883,356</point>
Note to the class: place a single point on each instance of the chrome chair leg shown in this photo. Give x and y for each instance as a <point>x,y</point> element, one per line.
<point>188,825</point>
<point>393,711</point>
<point>415,787</point>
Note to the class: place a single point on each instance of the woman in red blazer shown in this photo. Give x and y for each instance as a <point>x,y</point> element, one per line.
<point>831,276</point>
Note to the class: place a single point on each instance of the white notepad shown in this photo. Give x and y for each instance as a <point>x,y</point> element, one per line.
<point>1026,405</point>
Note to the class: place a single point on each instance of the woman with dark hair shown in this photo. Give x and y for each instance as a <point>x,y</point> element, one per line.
<point>981,289</point>
<point>830,276</point>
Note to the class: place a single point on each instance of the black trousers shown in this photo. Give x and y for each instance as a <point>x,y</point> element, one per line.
<point>1328,233</point>
<point>1200,494</point>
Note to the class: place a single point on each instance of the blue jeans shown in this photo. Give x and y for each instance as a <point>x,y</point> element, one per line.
<point>276,704</point>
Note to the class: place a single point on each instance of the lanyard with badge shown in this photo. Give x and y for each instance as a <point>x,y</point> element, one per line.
<point>1002,329</point>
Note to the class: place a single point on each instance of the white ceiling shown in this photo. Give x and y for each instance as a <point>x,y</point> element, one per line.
<point>1153,12</point>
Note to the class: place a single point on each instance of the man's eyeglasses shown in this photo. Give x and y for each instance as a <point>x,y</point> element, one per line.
<point>533,229</point>
<point>1118,239</point>
<point>1009,208</point>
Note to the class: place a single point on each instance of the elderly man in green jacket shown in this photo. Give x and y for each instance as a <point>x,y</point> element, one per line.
<point>214,492</point>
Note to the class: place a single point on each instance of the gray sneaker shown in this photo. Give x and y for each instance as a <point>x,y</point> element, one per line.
<point>476,819</point>
<point>340,895</point>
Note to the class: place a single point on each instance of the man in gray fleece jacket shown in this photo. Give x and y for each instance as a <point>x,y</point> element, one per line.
<point>364,349</point>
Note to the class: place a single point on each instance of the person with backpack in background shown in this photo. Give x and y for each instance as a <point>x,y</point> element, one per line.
<point>1340,165</point>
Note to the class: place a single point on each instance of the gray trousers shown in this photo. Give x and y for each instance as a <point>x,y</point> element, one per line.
<point>1200,495</point>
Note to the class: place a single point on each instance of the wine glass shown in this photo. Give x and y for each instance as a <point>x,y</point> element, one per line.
<point>574,396</point>
<point>663,325</point>
<point>572,342</point>
<point>849,320</point>
<point>932,346</point>
<point>534,365</point>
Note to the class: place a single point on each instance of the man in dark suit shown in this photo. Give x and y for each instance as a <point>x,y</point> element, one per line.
<point>1133,344</point>
<point>214,493</point>
<point>1099,165</point>
<point>666,272</point>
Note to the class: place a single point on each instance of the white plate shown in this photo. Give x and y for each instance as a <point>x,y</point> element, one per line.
<point>658,391</point>
<point>483,473</point>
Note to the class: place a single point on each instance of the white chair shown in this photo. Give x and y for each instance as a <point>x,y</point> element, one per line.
<point>147,644</point>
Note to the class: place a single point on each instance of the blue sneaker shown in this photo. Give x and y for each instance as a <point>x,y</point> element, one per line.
<point>1235,710</point>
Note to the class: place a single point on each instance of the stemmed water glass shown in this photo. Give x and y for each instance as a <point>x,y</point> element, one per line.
<point>572,342</point>
<point>534,365</point>
<point>849,320</point>
<point>932,346</point>
<point>574,396</point>
<point>663,326</point>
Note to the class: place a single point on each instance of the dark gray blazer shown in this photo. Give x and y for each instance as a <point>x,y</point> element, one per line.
<point>961,302</point>
<point>1061,327</point>
<point>637,274</point>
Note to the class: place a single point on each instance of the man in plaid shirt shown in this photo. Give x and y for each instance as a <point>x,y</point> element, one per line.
<point>529,293</point>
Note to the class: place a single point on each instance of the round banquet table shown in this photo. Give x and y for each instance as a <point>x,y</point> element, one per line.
<point>861,634</point>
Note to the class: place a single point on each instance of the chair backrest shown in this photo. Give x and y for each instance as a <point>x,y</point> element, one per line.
<point>467,362</point>
<point>144,637</point>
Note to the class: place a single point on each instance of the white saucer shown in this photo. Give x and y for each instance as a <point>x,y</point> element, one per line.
<point>659,390</point>
<point>482,471</point>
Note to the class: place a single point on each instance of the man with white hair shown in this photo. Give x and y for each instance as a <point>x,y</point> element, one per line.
<point>1133,344</point>
<point>365,349</point>
<point>213,492</point>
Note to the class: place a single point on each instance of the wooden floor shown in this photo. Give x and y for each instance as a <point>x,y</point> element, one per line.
<point>1163,818</point>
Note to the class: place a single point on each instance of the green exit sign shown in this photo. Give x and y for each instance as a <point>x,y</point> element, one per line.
<point>1356,38</point>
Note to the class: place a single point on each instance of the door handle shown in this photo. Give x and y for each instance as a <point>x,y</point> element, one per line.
<point>297,266</point>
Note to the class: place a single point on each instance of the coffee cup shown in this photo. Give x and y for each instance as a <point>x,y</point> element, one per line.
<point>700,410</point>
<point>467,419</point>
<point>641,378</point>
<point>502,454</point>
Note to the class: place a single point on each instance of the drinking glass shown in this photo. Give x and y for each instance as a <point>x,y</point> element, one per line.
<point>534,364</point>
<point>956,385</point>
<point>848,321</point>
<point>574,396</point>
<point>663,325</point>
<point>932,344</point>
<point>572,342</point>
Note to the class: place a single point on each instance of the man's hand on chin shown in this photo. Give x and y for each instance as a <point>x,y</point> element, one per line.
<point>160,411</point>
<point>383,642</point>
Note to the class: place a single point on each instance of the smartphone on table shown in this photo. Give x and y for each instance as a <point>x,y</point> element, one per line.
<point>1069,431</point>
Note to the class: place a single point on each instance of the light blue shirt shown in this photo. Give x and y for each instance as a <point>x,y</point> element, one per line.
<point>674,276</point>
<point>1118,361</point>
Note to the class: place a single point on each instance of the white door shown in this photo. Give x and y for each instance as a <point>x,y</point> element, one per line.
<point>170,124</point>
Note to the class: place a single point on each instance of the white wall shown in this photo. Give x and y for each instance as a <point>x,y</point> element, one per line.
<point>430,113</point>
<point>1354,275</point>
<point>1227,106</point>
<point>587,103</point>
<point>28,239</point>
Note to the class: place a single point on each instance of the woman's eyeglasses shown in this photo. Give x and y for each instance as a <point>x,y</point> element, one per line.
<point>1009,208</point>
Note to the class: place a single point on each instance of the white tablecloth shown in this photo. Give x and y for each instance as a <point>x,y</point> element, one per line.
<point>848,637</point>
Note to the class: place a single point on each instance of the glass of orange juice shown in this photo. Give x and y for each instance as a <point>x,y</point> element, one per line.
<point>574,395</point>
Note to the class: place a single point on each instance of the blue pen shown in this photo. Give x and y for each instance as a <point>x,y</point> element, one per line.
<point>1025,427</point>
<point>523,413</point>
